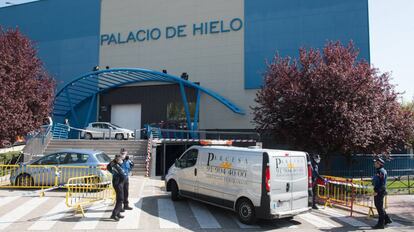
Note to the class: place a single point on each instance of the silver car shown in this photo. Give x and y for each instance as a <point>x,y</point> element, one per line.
<point>55,169</point>
<point>99,130</point>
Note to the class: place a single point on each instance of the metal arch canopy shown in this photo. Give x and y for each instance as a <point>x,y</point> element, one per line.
<point>90,84</point>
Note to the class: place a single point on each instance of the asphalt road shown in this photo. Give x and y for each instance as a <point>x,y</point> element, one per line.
<point>154,211</point>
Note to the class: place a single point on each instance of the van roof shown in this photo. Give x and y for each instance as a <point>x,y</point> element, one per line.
<point>232,148</point>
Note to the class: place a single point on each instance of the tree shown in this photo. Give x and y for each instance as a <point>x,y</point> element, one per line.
<point>331,102</point>
<point>26,90</point>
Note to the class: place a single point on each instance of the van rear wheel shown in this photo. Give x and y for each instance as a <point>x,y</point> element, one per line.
<point>175,195</point>
<point>246,212</point>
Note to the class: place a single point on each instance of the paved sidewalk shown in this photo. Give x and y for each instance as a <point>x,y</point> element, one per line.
<point>401,207</point>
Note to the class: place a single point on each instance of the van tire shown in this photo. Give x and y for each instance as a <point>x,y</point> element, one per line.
<point>175,195</point>
<point>245,211</point>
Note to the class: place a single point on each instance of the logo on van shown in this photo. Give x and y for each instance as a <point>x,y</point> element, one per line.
<point>226,165</point>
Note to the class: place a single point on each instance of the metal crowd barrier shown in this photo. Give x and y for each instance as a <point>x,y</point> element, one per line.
<point>84,191</point>
<point>45,177</point>
<point>347,193</point>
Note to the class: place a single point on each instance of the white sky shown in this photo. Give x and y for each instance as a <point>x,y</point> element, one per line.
<point>391,25</point>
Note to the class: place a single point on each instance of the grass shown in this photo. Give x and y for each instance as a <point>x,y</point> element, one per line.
<point>5,158</point>
<point>397,186</point>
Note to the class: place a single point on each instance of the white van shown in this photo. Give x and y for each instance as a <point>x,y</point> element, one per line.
<point>256,183</point>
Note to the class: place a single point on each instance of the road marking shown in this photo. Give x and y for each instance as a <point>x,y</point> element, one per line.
<point>131,220</point>
<point>316,221</point>
<point>204,218</point>
<point>92,217</point>
<point>244,226</point>
<point>50,219</point>
<point>132,217</point>
<point>344,218</point>
<point>7,200</point>
<point>167,214</point>
<point>20,212</point>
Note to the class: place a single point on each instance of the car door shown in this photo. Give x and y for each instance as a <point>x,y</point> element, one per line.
<point>97,130</point>
<point>74,165</point>
<point>45,173</point>
<point>187,176</point>
<point>105,129</point>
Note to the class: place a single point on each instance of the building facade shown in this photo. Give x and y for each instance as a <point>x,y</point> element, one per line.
<point>221,45</point>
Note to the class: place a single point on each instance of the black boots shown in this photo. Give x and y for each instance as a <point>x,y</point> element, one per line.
<point>126,207</point>
<point>115,217</point>
<point>388,221</point>
<point>378,226</point>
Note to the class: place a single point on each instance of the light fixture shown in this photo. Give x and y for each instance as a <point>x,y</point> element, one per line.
<point>184,76</point>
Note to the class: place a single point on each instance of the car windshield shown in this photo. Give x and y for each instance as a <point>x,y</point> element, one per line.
<point>103,158</point>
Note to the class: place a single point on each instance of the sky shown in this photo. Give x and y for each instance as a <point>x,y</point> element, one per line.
<point>391,31</point>
<point>391,28</point>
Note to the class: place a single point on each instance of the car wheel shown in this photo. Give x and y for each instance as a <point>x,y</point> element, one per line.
<point>246,212</point>
<point>175,195</point>
<point>119,136</point>
<point>24,180</point>
<point>87,136</point>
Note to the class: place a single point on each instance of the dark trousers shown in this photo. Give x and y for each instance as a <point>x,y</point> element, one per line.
<point>126,191</point>
<point>314,193</point>
<point>119,190</point>
<point>379,204</point>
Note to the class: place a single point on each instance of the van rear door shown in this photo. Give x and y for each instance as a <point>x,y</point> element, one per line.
<point>299,181</point>
<point>288,173</point>
<point>280,181</point>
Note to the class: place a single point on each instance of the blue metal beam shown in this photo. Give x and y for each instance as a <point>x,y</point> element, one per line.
<point>72,110</point>
<point>112,78</point>
<point>91,106</point>
<point>196,113</point>
<point>186,108</point>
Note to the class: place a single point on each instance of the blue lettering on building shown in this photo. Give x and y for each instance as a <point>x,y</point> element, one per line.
<point>173,31</point>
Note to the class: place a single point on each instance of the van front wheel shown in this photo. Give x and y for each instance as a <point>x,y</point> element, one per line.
<point>175,195</point>
<point>246,212</point>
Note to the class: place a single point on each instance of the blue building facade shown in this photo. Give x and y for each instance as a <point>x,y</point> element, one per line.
<point>68,36</point>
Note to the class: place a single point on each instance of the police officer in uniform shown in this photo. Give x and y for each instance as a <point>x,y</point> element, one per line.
<point>127,166</point>
<point>316,159</point>
<point>379,181</point>
<point>118,177</point>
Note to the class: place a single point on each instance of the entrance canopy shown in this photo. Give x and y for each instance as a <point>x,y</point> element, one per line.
<point>86,87</point>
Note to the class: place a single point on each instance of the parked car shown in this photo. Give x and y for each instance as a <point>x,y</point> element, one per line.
<point>69,162</point>
<point>97,130</point>
<point>256,183</point>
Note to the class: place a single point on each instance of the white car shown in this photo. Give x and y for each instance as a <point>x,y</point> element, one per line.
<point>255,183</point>
<point>97,130</point>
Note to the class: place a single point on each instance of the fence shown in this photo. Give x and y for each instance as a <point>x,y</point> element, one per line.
<point>87,190</point>
<point>347,193</point>
<point>361,166</point>
<point>37,141</point>
<point>44,176</point>
<point>162,133</point>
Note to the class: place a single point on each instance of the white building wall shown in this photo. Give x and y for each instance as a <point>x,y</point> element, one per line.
<point>214,60</point>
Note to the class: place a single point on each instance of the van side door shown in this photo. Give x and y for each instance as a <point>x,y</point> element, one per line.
<point>187,176</point>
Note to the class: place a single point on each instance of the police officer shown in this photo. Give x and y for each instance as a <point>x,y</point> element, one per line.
<point>127,166</point>
<point>118,177</point>
<point>316,159</point>
<point>379,181</point>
